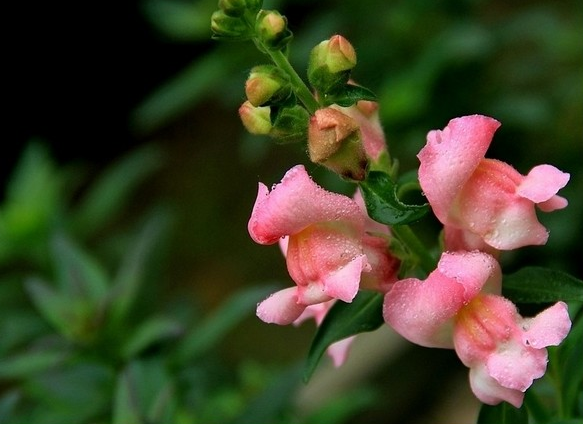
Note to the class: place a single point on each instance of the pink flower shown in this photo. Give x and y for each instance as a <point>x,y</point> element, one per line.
<point>485,197</point>
<point>324,253</point>
<point>458,306</point>
<point>324,236</point>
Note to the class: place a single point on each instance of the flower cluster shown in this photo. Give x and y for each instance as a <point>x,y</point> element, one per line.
<point>333,250</point>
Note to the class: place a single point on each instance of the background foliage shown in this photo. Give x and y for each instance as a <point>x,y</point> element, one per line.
<point>127,278</point>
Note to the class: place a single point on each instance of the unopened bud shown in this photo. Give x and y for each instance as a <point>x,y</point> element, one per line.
<point>366,114</point>
<point>255,119</point>
<point>229,27</point>
<point>271,28</point>
<point>267,83</point>
<point>239,7</point>
<point>330,63</point>
<point>334,141</point>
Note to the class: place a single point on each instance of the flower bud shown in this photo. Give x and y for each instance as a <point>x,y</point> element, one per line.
<point>255,119</point>
<point>366,114</point>
<point>330,63</point>
<point>237,8</point>
<point>267,83</point>
<point>271,28</point>
<point>334,141</point>
<point>229,27</point>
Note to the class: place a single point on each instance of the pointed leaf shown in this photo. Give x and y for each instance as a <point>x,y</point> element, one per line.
<point>29,363</point>
<point>54,307</point>
<point>78,274</point>
<point>342,321</point>
<point>111,192</point>
<point>541,285</point>
<point>382,203</point>
<point>205,336</point>
<point>126,408</point>
<point>133,268</point>
<point>268,405</point>
<point>503,413</point>
<point>349,95</point>
<point>151,331</point>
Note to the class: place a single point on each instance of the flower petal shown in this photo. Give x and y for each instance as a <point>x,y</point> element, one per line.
<point>338,351</point>
<point>489,391</point>
<point>450,157</point>
<point>548,328</point>
<point>281,307</point>
<point>542,183</point>
<point>296,203</point>
<point>516,366</point>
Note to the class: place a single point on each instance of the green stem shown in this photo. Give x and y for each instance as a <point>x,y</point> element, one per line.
<point>406,235</point>
<point>299,87</point>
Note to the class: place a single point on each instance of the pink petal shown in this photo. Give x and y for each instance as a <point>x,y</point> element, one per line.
<point>457,239</point>
<point>281,307</point>
<point>482,326</point>
<point>450,157</point>
<point>296,203</point>
<point>384,266</point>
<point>542,183</point>
<point>338,351</point>
<point>516,366</point>
<point>548,328</point>
<point>343,284</point>
<point>423,311</point>
<point>473,270</point>
<point>489,207</point>
<point>489,391</point>
<point>328,255</point>
<point>553,204</point>
<point>317,311</point>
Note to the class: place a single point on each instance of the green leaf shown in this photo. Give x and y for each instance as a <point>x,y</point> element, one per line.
<point>127,282</point>
<point>342,321</point>
<point>268,405</point>
<point>151,331</point>
<point>144,394</point>
<point>541,285</point>
<point>204,337</point>
<point>503,413</point>
<point>30,363</point>
<point>111,192</point>
<point>78,274</point>
<point>382,203</point>
<point>8,402</point>
<point>349,95</point>
<point>54,307</point>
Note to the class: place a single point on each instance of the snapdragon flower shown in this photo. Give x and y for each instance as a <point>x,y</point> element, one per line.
<point>458,306</point>
<point>326,245</point>
<point>484,201</point>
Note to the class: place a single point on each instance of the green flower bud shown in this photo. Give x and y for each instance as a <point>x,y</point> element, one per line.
<point>239,7</point>
<point>334,140</point>
<point>229,27</point>
<point>267,83</point>
<point>330,64</point>
<point>271,29</point>
<point>256,119</point>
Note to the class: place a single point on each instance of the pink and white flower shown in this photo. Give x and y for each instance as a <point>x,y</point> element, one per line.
<point>488,200</point>
<point>458,306</point>
<point>323,235</point>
